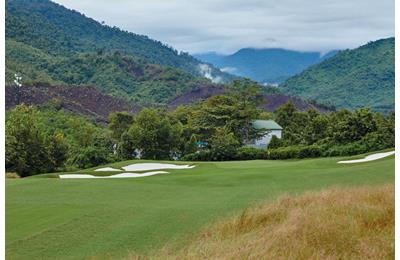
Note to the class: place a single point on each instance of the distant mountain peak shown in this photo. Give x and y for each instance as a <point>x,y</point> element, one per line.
<point>272,65</point>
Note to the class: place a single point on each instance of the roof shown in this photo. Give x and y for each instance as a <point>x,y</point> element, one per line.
<point>266,124</point>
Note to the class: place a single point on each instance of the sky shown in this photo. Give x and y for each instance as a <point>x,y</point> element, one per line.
<point>225,26</point>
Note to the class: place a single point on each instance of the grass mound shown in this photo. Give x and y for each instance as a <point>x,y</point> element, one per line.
<point>356,223</point>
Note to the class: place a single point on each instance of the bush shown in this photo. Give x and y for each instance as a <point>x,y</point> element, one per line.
<point>250,153</point>
<point>275,142</point>
<point>90,157</point>
<point>203,155</point>
<point>295,152</point>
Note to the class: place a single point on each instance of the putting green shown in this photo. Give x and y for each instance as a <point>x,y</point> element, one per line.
<point>51,218</point>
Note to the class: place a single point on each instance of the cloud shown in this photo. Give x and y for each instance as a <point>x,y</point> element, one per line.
<point>228,25</point>
<point>206,71</point>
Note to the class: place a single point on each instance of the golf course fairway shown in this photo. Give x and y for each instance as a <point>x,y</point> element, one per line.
<point>52,218</point>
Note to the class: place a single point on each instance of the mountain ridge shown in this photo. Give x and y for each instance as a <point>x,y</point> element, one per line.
<point>265,65</point>
<point>361,77</point>
<point>58,30</point>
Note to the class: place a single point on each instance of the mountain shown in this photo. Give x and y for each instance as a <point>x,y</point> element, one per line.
<point>351,79</point>
<point>264,65</point>
<point>59,31</point>
<point>46,42</point>
<point>123,76</point>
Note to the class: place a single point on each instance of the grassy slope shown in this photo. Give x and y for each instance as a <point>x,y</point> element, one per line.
<point>53,218</point>
<point>351,223</point>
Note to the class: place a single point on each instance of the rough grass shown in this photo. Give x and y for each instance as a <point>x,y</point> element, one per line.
<point>12,175</point>
<point>356,223</point>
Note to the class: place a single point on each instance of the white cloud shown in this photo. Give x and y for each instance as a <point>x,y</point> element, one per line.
<point>228,25</point>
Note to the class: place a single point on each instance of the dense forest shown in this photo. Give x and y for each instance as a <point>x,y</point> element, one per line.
<point>56,30</point>
<point>44,139</point>
<point>363,77</point>
<point>123,76</point>
<point>46,42</point>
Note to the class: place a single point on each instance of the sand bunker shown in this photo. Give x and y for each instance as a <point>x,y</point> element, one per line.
<point>368,158</point>
<point>154,166</point>
<point>108,169</point>
<point>120,175</point>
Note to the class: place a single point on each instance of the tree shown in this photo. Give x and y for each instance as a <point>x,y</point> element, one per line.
<point>26,148</point>
<point>191,145</point>
<point>223,144</point>
<point>58,149</point>
<point>293,123</point>
<point>89,157</point>
<point>153,134</point>
<point>119,123</point>
<point>225,111</point>
<point>347,127</point>
<point>125,147</point>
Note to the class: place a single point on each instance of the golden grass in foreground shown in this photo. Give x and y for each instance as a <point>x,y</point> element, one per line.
<point>354,223</point>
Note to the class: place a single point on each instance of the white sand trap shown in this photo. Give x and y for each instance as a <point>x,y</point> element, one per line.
<point>154,166</point>
<point>368,158</point>
<point>108,169</point>
<point>120,175</point>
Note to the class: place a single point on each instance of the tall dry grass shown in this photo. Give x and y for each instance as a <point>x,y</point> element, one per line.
<point>353,223</point>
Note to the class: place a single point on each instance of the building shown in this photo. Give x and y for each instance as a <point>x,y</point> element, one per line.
<point>270,127</point>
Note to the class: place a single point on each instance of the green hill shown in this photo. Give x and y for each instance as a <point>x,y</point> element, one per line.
<point>57,30</point>
<point>350,79</point>
<point>123,76</point>
<point>46,42</point>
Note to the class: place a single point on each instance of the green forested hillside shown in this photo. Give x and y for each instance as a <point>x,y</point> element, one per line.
<point>46,42</point>
<point>353,78</point>
<point>113,73</point>
<point>57,30</point>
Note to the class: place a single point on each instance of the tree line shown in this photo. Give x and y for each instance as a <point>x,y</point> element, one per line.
<point>47,139</point>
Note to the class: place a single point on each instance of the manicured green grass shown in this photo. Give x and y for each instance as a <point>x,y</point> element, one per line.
<point>52,218</point>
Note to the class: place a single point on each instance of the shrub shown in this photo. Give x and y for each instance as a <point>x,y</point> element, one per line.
<point>295,152</point>
<point>275,142</point>
<point>90,157</point>
<point>250,153</point>
<point>203,155</point>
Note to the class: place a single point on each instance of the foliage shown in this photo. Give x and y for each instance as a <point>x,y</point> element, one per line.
<point>119,122</point>
<point>235,111</point>
<point>58,31</point>
<point>363,77</point>
<point>89,157</point>
<point>29,151</point>
<point>119,75</point>
<point>43,139</point>
<point>275,142</point>
<point>291,152</point>
<point>125,147</point>
<point>49,43</point>
<point>223,144</point>
<point>154,136</point>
